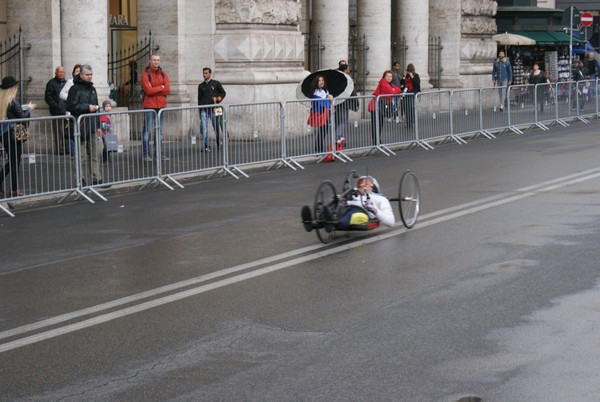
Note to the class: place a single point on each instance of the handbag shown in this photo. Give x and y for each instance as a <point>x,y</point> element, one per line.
<point>20,132</point>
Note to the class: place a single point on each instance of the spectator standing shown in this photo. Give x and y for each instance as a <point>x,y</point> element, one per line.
<point>58,107</point>
<point>10,109</point>
<point>105,127</point>
<point>320,105</point>
<point>384,87</point>
<point>83,100</point>
<point>210,92</point>
<point>411,82</point>
<point>591,65</point>
<point>579,74</point>
<point>64,93</point>
<point>502,77</point>
<point>396,80</point>
<point>156,87</point>
<point>536,77</point>
<point>342,111</point>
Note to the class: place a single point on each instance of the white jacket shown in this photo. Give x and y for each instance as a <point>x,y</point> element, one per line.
<point>377,206</point>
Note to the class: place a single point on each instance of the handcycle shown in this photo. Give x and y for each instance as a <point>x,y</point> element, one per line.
<point>329,205</point>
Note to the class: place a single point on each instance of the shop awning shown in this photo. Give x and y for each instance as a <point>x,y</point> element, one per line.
<point>550,38</point>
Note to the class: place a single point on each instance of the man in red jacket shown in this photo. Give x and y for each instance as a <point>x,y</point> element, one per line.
<point>155,87</point>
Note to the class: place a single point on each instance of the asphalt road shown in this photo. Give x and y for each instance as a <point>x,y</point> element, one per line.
<point>215,292</point>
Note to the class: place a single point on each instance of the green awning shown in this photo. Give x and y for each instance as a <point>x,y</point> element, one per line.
<point>552,38</point>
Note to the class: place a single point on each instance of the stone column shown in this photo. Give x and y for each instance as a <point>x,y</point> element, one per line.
<point>84,39</point>
<point>258,49</point>
<point>445,22</point>
<point>41,36</point>
<point>330,23</point>
<point>375,26</point>
<point>169,26</point>
<point>413,24</point>
<point>477,48</point>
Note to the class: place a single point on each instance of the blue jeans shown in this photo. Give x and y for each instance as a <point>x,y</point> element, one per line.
<point>502,91</point>
<point>216,123</point>
<point>148,126</point>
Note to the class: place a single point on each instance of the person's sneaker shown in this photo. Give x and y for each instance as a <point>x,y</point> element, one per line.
<point>207,149</point>
<point>147,158</point>
<point>165,158</point>
<point>307,218</point>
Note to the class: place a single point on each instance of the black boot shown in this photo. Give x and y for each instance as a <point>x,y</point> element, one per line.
<point>307,218</point>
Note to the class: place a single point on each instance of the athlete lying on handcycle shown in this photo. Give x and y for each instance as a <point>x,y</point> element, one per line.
<point>362,208</point>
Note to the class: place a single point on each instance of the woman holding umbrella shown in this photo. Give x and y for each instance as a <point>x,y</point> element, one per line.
<point>318,118</point>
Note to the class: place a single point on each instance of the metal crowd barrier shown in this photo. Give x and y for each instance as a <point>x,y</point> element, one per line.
<point>352,123</point>
<point>254,135</point>
<point>186,149</point>
<point>137,148</point>
<point>394,122</point>
<point>466,116</point>
<point>42,167</point>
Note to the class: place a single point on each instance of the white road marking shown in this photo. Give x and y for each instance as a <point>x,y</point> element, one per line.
<point>325,250</point>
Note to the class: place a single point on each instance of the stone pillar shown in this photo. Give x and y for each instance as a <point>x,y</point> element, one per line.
<point>330,23</point>
<point>169,26</point>
<point>258,50</point>
<point>477,48</point>
<point>445,23</point>
<point>413,24</point>
<point>375,26</point>
<point>41,36</point>
<point>84,39</point>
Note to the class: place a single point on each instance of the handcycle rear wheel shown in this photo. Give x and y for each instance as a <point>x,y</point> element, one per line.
<point>326,197</point>
<point>409,195</point>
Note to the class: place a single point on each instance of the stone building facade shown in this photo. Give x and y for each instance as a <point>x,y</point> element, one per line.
<point>255,47</point>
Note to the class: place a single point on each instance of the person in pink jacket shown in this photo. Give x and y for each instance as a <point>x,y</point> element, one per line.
<point>385,87</point>
<point>155,88</point>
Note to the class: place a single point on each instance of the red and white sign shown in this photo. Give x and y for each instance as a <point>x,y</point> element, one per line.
<point>587,19</point>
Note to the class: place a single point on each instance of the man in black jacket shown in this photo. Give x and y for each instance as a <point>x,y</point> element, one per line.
<point>83,100</point>
<point>210,92</point>
<point>58,107</point>
<point>578,97</point>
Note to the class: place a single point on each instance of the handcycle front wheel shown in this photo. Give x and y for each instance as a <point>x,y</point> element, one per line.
<point>326,197</point>
<point>409,195</point>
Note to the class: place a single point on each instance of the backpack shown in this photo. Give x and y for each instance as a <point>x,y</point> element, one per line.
<point>147,70</point>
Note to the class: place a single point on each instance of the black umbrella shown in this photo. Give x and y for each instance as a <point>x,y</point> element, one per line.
<point>339,84</point>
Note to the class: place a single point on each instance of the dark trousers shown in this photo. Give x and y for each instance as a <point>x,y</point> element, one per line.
<point>409,104</point>
<point>60,145</point>
<point>374,126</point>
<point>321,134</point>
<point>12,151</point>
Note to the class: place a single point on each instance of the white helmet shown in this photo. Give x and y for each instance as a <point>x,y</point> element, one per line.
<point>373,181</point>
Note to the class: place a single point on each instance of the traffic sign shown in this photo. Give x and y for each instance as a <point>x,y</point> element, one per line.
<point>587,19</point>
<point>566,17</point>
